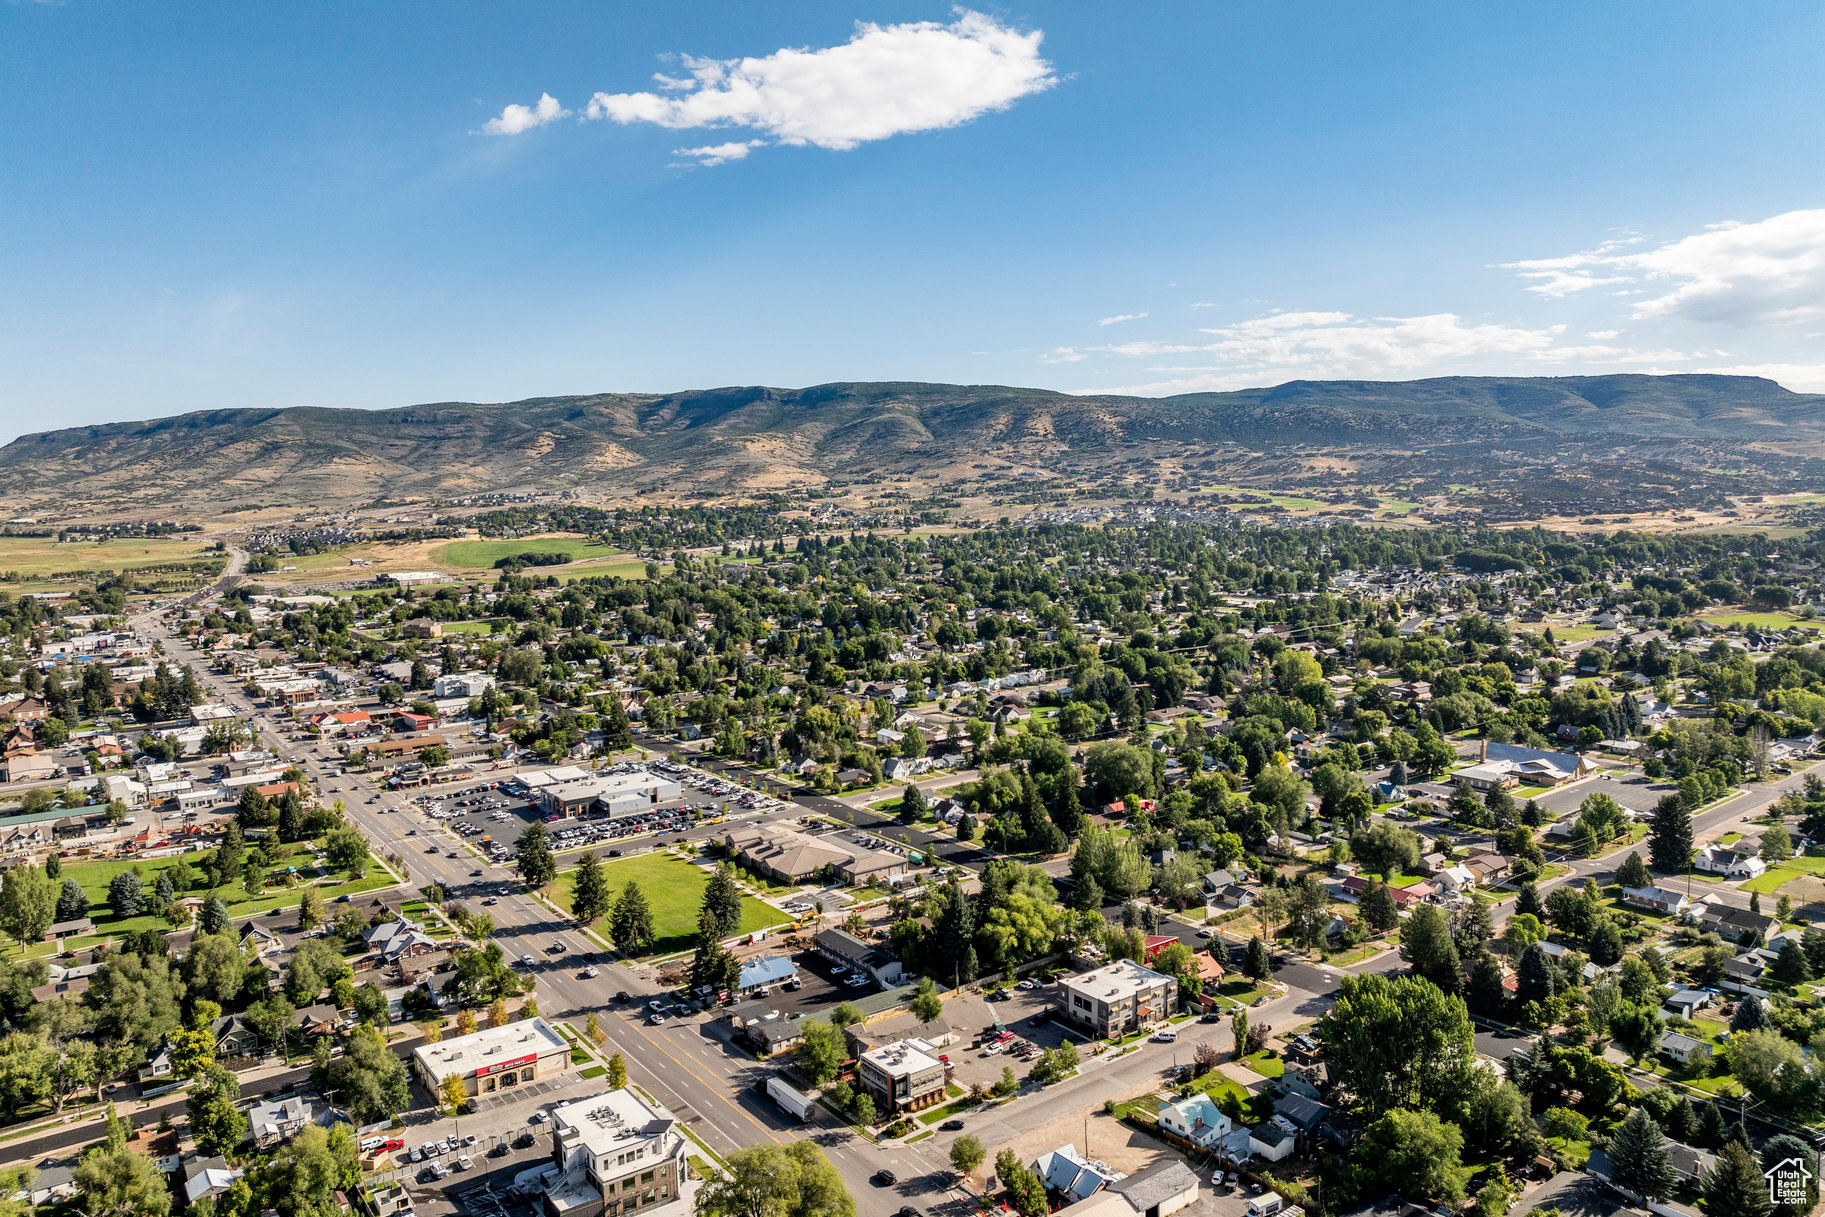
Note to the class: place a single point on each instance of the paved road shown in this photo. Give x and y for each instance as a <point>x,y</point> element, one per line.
<point>683,1064</point>
<point>687,1064</point>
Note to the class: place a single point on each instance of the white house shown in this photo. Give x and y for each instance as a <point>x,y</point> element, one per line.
<point>1197,1119</point>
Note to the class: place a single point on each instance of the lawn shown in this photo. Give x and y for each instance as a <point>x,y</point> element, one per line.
<point>1268,1065</point>
<point>96,875</point>
<point>484,554</point>
<point>1571,633</point>
<point>469,627</point>
<point>45,556</point>
<point>1781,874</point>
<point>1760,619</point>
<point>674,889</point>
<point>1220,1086</point>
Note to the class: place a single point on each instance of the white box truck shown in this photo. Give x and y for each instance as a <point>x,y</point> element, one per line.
<point>797,1102</point>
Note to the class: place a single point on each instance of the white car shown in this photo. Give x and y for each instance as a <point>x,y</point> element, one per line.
<point>1166,1036</point>
<point>464,1163</point>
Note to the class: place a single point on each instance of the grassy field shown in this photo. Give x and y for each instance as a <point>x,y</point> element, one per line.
<point>485,553</point>
<point>45,556</point>
<point>1569,633</point>
<point>96,875</point>
<point>1781,874</point>
<point>674,889</point>
<point>1759,619</point>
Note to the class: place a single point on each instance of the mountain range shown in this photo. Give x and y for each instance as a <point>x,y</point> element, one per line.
<point>753,439</point>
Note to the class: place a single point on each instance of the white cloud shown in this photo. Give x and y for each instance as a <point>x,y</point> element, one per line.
<point>1770,271</point>
<point>885,81</point>
<point>516,119</point>
<point>1121,317</point>
<point>1063,355</point>
<point>716,154</point>
<point>1332,345</point>
<point>1604,335</point>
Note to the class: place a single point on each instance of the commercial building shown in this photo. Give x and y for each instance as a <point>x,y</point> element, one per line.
<point>1117,999</point>
<point>616,1153</point>
<point>842,947</point>
<point>790,856</point>
<point>494,1058</point>
<point>901,1076</point>
<point>614,795</point>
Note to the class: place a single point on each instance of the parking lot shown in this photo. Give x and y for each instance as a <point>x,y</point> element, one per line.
<point>492,815</point>
<point>1633,791</point>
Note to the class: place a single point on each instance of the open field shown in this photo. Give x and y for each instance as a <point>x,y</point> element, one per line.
<point>473,558</point>
<point>96,875</point>
<point>674,890</point>
<point>483,554</point>
<point>1582,632</point>
<point>39,556</point>
<point>1760,619</point>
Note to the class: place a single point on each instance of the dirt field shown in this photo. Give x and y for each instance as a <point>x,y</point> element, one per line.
<point>1111,1141</point>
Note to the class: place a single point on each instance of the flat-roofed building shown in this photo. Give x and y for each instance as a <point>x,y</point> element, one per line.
<point>901,1076</point>
<point>615,795</point>
<point>494,1058</point>
<point>1116,999</point>
<point>616,1153</point>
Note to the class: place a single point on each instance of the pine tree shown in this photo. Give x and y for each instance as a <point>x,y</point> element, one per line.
<point>1670,836</point>
<point>1378,909</point>
<point>53,865</point>
<point>1750,1016</point>
<point>1534,976</point>
<point>722,896</point>
<point>215,915</point>
<point>589,899</point>
<point>1638,1156</point>
<point>1484,994</point>
<point>1710,1131</point>
<point>1735,1188</point>
<point>1256,964</point>
<point>631,923</point>
<point>1529,901</point>
<point>1068,812</point>
<point>1634,872</point>
<point>536,864</point>
<point>1790,967</point>
<point>72,901</point>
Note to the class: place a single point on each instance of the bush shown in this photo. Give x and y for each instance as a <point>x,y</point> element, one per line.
<point>1567,1124</point>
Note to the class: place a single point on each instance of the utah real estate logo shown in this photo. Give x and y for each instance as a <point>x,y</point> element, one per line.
<point>1789,1182</point>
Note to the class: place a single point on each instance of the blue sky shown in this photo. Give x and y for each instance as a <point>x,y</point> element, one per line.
<point>218,205</point>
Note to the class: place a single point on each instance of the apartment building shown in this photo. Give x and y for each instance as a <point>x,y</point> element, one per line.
<point>1116,999</point>
<point>617,1154</point>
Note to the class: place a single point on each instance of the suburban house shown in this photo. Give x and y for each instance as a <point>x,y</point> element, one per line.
<point>1683,1048</point>
<point>1654,899</point>
<point>1071,1177</point>
<point>1722,860</point>
<point>1732,923</point>
<point>1195,1119</point>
